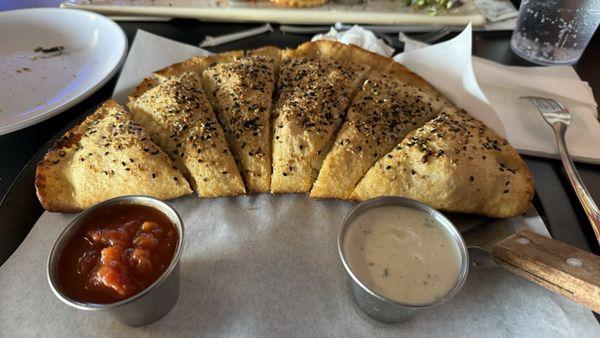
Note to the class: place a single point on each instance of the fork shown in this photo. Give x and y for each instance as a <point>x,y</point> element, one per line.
<point>557,115</point>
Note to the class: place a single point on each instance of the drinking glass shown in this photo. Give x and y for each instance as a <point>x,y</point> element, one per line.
<point>552,32</point>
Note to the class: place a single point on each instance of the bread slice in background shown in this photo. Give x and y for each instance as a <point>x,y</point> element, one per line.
<point>107,155</point>
<point>382,113</point>
<point>180,119</point>
<point>314,94</point>
<point>453,163</point>
<point>241,91</point>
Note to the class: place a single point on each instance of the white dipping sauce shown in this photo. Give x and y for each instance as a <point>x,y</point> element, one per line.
<point>402,254</point>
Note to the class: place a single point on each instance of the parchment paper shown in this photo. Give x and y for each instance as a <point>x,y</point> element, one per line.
<point>448,67</point>
<point>263,265</point>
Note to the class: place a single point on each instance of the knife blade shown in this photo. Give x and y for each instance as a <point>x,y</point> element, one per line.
<point>554,265</point>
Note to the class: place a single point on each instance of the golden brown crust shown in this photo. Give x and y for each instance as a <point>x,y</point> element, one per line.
<point>331,51</point>
<point>107,155</point>
<point>196,64</point>
<point>313,96</point>
<point>241,92</point>
<point>267,51</point>
<point>179,118</point>
<point>382,113</point>
<point>199,65</point>
<point>453,163</point>
<point>317,83</point>
<point>143,87</point>
<point>327,49</point>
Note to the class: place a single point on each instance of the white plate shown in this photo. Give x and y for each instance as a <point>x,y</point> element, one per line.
<point>35,87</point>
<point>378,12</point>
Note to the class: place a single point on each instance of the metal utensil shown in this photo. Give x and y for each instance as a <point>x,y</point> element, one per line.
<point>211,41</point>
<point>308,29</point>
<point>557,115</point>
<point>430,30</point>
<point>382,308</point>
<point>382,32</point>
<point>143,308</point>
<point>556,266</point>
<point>428,37</point>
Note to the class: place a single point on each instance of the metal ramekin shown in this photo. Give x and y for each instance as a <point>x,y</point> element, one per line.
<point>143,308</point>
<point>382,308</point>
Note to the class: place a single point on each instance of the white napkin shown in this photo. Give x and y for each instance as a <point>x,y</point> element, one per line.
<point>360,37</point>
<point>528,132</point>
<point>490,92</point>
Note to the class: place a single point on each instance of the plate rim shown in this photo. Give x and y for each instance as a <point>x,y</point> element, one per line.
<point>46,114</point>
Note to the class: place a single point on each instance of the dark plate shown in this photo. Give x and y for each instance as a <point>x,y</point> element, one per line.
<point>20,208</point>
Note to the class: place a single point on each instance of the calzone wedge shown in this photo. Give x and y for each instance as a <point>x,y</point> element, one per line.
<point>314,93</point>
<point>382,113</point>
<point>241,91</point>
<point>180,119</point>
<point>453,163</point>
<point>107,155</point>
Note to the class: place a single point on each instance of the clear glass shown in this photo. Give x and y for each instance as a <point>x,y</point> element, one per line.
<point>551,32</point>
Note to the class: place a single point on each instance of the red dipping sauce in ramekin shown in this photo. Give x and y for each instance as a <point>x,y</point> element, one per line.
<point>116,254</point>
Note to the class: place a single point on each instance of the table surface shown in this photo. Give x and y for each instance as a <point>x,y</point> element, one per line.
<point>563,214</point>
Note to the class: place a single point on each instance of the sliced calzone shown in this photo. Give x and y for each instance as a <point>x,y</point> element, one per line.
<point>107,155</point>
<point>382,113</point>
<point>180,119</point>
<point>453,163</point>
<point>241,91</point>
<point>314,94</point>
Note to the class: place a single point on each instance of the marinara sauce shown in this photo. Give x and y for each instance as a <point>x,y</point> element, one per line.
<point>119,252</point>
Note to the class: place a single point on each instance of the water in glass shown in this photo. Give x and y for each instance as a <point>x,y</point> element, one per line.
<point>552,32</point>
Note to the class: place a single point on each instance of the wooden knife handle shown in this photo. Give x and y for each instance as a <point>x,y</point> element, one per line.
<point>554,265</point>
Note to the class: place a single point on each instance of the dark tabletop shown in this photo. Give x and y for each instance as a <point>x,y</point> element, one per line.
<point>563,214</point>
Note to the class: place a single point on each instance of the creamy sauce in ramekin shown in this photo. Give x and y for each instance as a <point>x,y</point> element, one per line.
<point>402,254</point>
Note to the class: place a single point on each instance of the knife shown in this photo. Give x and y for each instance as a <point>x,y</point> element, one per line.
<point>554,265</point>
